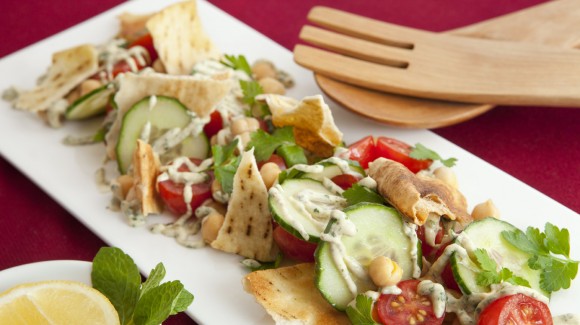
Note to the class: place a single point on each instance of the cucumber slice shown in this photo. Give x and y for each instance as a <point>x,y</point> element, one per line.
<point>166,114</point>
<point>91,104</point>
<point>380,232</point>
<point>331,169</point>
<point>486,234</point>
<point>287,213</point>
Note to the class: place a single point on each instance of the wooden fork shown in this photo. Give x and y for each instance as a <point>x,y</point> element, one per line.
<point>396,59</point>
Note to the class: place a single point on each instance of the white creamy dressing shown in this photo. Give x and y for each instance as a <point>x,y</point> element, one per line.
<point>567,319</point>
<point>182,230</point>
<point>410,229</point>
<point>431,228</point>
<point>342,165</point>
<point>390,290</point>
<point>315,169</point>
<point>331,186</point>
<point>368,182</point>
<point>175,136</point>
<point>436,294</point>
<point>341,152</point>
<point>438,266</point>
<point>55,112</point>
<point>113,52</point>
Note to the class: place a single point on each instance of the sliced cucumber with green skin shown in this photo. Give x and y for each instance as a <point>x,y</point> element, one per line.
<point>166,114</point>
<point>380,232</point>
<point>286,213</point>
<point>331,170</point>
<point>486,234</point>
<point>91,104</point>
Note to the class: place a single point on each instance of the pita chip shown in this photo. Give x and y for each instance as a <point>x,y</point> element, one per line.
<point>416,196</point>
<point>179,38</point>
<point>132,26</point>
<point>314,127</point>
<point>145,170</point>
<point>289,295</point>
<point>199,96</point>
<point>69,68</point>
<point>247,228</point>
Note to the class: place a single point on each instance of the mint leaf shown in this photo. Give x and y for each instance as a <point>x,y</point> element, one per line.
<point>184,299</point>
<point>362,312</point>
<point>558,241</point>
<point>156,305</point>
<point>237,63</point>
<point>424,153</point>
<point>358,193</point>
<point>250,89</point>
<point>155,277</point>
<point>265,144</point>
<point>116,276</point>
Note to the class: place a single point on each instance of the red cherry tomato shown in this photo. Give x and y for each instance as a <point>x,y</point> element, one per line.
<point>293,247</point>
<point>345,181</point>
<point>426,248</point>
<point>517,309</point>
<point>408,307</point>
<point>146,41</point>
<point>363,151</point>
<point>275,159</point>
<point>399,151</point>
<point>172,193</point>
<point>447,273</point>
<point>215,124</point>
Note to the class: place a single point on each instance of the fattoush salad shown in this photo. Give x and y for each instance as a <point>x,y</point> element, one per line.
<point>375,232</point>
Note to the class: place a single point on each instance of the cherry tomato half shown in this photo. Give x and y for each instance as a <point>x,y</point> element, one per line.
<point>363,151</point>
<point>517,309</point>
<point>345,181</point>
<point>215,124</point>
<point>399,151</point>
<point>146,41</point>
<point>426,248</point>
<point>293,247</point>
<point>447,274</point>
<point>408,307</point>
<point>172,193</point>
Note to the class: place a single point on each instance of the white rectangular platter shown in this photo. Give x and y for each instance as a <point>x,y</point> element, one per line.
<point>67,173</point>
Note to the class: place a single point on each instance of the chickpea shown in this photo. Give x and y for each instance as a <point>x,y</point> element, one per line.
<point>245,138</point>
<point>484,210</point>
<point>270,172</point>
<point>211,225</point>
<point>158,66</point>
<point>272,86</point>
<point>263,69</point>
<point>385,272</point>
<point>125,184</point>
<point>89,85</point>
<point>446,175</point>
<point>245,124</point>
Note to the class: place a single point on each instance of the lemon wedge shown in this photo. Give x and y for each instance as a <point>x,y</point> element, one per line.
<point>56,302</point>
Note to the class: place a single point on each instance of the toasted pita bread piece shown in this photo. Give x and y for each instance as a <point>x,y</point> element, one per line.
<point>132,26</point>
<point>416,196</point>
<point>289,295</point>
<point>179,38</point>
<point>145,170</point>
<point>69,68</point>
<point>247,228</point>
<point>314,127</point>
<point>199,96</point>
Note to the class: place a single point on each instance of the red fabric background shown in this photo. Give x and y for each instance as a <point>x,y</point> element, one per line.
<point>539,146</point>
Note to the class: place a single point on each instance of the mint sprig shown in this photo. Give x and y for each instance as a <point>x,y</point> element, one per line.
<point>490,273</point>
<point>557,272</point>
<point>424,153</point>
<point>116,276</point>
<point>362,311</point>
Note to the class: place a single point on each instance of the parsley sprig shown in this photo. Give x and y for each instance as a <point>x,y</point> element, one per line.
<point>225,164</point>
<point>238,62</point>
<point>490,273</point>
<point>358,193</point>
<point>422,152</point>
<point>362,311</point>
<point>557,272</point>
<point>116,276</point>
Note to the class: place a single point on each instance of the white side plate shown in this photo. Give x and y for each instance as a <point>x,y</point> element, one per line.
<point>43,271</point>
<point>67,174</point>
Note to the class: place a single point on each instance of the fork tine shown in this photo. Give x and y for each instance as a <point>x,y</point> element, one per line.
<point>365,28</point>
<point>357,48</point>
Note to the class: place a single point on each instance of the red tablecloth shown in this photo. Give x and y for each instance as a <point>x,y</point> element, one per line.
<point>540,146</point>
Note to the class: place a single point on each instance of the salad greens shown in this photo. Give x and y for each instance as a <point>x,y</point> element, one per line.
<point>422,152</point>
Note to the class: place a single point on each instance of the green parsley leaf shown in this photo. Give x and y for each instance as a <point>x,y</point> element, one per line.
<point>424,153</point>
<point>289,174</point>
<point>484,260</point>
<point>116,276</point>
<point>556,272</point>
<point>490,275</point>
<point>225,164</point>
<point>250,89</point>
<point>265,144</point>
<point>237,63</point>
<point>358,193</point>
<point>362,312</point>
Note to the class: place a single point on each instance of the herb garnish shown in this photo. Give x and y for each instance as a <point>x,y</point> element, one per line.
<point>358,193</point>
<point>490,273</point>
<point>237,63</point>
<point>265,144</point>
<point>362,312</point>
<point>225,164</point>
<point>116,276</point>
<point>556,272</point>
<point>422,152</point>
